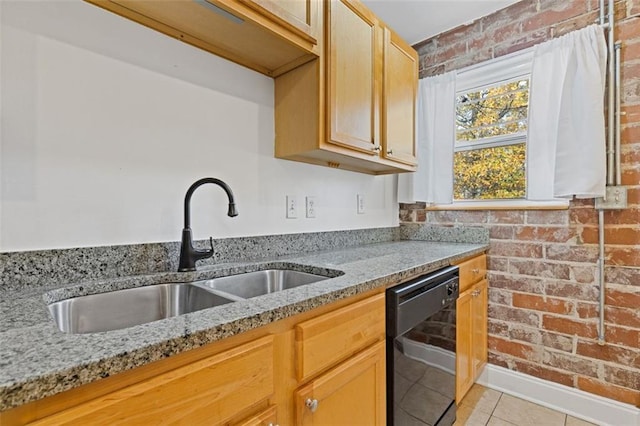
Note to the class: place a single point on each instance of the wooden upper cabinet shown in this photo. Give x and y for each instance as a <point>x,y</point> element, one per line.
<point>351,76</point>
<point>268,36</point>
<point>299,16</point>
<point>400,85</point>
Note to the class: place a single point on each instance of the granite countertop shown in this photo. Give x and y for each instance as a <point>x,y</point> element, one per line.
<point>38,360</point>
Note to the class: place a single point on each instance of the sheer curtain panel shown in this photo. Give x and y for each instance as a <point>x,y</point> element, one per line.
<point>435,132</point>
<point>566,146</point>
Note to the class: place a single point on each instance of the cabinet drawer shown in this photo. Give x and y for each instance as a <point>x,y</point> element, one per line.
<point>324,341</point>
<point>472,271</point>
<point>209,391</point>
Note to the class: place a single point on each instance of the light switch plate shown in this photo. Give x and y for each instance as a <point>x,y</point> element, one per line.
<point>292,207</point>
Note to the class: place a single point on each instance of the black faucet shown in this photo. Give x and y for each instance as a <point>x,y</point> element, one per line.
<point>188,254</point>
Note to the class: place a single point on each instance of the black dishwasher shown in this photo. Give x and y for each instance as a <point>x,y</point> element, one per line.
<point>421,347</point>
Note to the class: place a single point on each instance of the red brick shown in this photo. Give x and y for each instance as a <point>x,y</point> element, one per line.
<point>506,217</point>
<point>633,196</point>
<point>583,274</point>
<point>622,217</point>
<point>543,372</point>
<point>524,284</point>
<point>414,206</point>
<point>618,235</point>
<point>544,233</point>
<point>631,155</point>
<point>539,269</point>
<point>518,10</point>
<point>525,334</point>
<point>557,341</point>
<point>501,297</point>
<point>587,310</point>
<point>622,275</point>
<point>557,11</point>
<point>608,352</point>
<point>523,42</point>
<point>406,216</point>
<point>421,216</point>
<point>517,349</point>
<point>630,113</point>
<point>573,24</point>
<point>498,328</point>
<point>622,336</point>
<point>571,253</point>
<point>625,395</point>
<point>628,29</point>
<point>586,216</point>
<point>499,359</point>
<point>622,316</point>
<point>630,51</point>
<point>458,34</point>
<point>547,217</point>
<point>622,377</point>
<point>624,299</point>
<point>457,216</point>
<point>569,326</point>
<point>516,249</point>
<point>542,303</point>
<point>499,232</point>
<point>513,315</point>
<point>570,362</point>
<point>630,177</point>
<point>571,290</point>
<point>498,264</point>
<point>623,256</point>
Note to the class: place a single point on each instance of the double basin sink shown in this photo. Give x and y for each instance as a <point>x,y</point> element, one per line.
<point>125,308</point>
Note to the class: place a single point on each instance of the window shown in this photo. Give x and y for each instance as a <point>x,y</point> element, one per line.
<point>490,141</point>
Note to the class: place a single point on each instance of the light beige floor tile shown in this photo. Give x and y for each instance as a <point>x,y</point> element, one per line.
<point>494,421</point>
<point>424,404</point>
<point>468,416</point>
<point>524,413</point>
<point>572,421</point>
<point>440,381</point>
<point>481,399</point>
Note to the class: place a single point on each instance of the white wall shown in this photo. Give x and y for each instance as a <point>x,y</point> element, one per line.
<point>106,123</point>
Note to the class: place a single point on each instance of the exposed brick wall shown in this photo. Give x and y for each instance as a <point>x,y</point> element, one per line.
<point>543,309</point>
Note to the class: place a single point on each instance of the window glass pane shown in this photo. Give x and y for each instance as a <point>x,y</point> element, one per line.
<point>490,173</point>
<point>493,111</point>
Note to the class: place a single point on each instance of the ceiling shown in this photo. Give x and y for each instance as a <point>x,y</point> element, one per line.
<point>417,20</point>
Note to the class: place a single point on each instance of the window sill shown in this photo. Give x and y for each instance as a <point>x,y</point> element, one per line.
<point>502,205</point>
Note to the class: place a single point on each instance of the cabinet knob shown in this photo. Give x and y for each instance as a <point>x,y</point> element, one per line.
<point>390,152</point>
<point>376,148</point>
<point>312,404</point>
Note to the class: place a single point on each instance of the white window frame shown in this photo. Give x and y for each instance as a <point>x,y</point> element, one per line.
<point>491,73</point>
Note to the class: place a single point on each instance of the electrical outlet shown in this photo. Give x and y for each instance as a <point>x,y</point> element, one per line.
<point>311,207</point>
<point>360,199</point>
<point>292,207</point>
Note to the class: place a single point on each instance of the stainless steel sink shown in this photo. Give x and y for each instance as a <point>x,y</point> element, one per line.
<point>252,284</point>
<point>125,308</point>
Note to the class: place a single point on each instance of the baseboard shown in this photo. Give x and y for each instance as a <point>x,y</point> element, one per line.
<point>577,403</point>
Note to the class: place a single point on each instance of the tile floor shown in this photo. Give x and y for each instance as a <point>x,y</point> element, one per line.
<point>487,407</point>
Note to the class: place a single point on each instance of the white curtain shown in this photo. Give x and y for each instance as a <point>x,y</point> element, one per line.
<point>566,145</point>
<point>435,133</point>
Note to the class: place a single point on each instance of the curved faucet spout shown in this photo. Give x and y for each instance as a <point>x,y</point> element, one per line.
<point>188,254</point>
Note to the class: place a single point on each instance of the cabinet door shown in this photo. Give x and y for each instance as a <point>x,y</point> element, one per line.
<point>351,394</point>
<point>268,417</point>
<point>299,16</point>
<point>464,344</point>
<point>479,327</point>
<point>210,391</point>
<point>399,99</point>
<point>352,99</point>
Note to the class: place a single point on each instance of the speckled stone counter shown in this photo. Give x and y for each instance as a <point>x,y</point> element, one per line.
<point>37,360</point>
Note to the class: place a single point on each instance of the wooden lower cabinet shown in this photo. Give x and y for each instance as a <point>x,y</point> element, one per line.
<point>211,391</point>
<point>254,378</point>
<point>471,337</point>
<point>351,394</point>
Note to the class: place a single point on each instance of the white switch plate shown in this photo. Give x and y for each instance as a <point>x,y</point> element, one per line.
<point>360,199</point>
<point>311,207</point>
<point>292,207</point>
